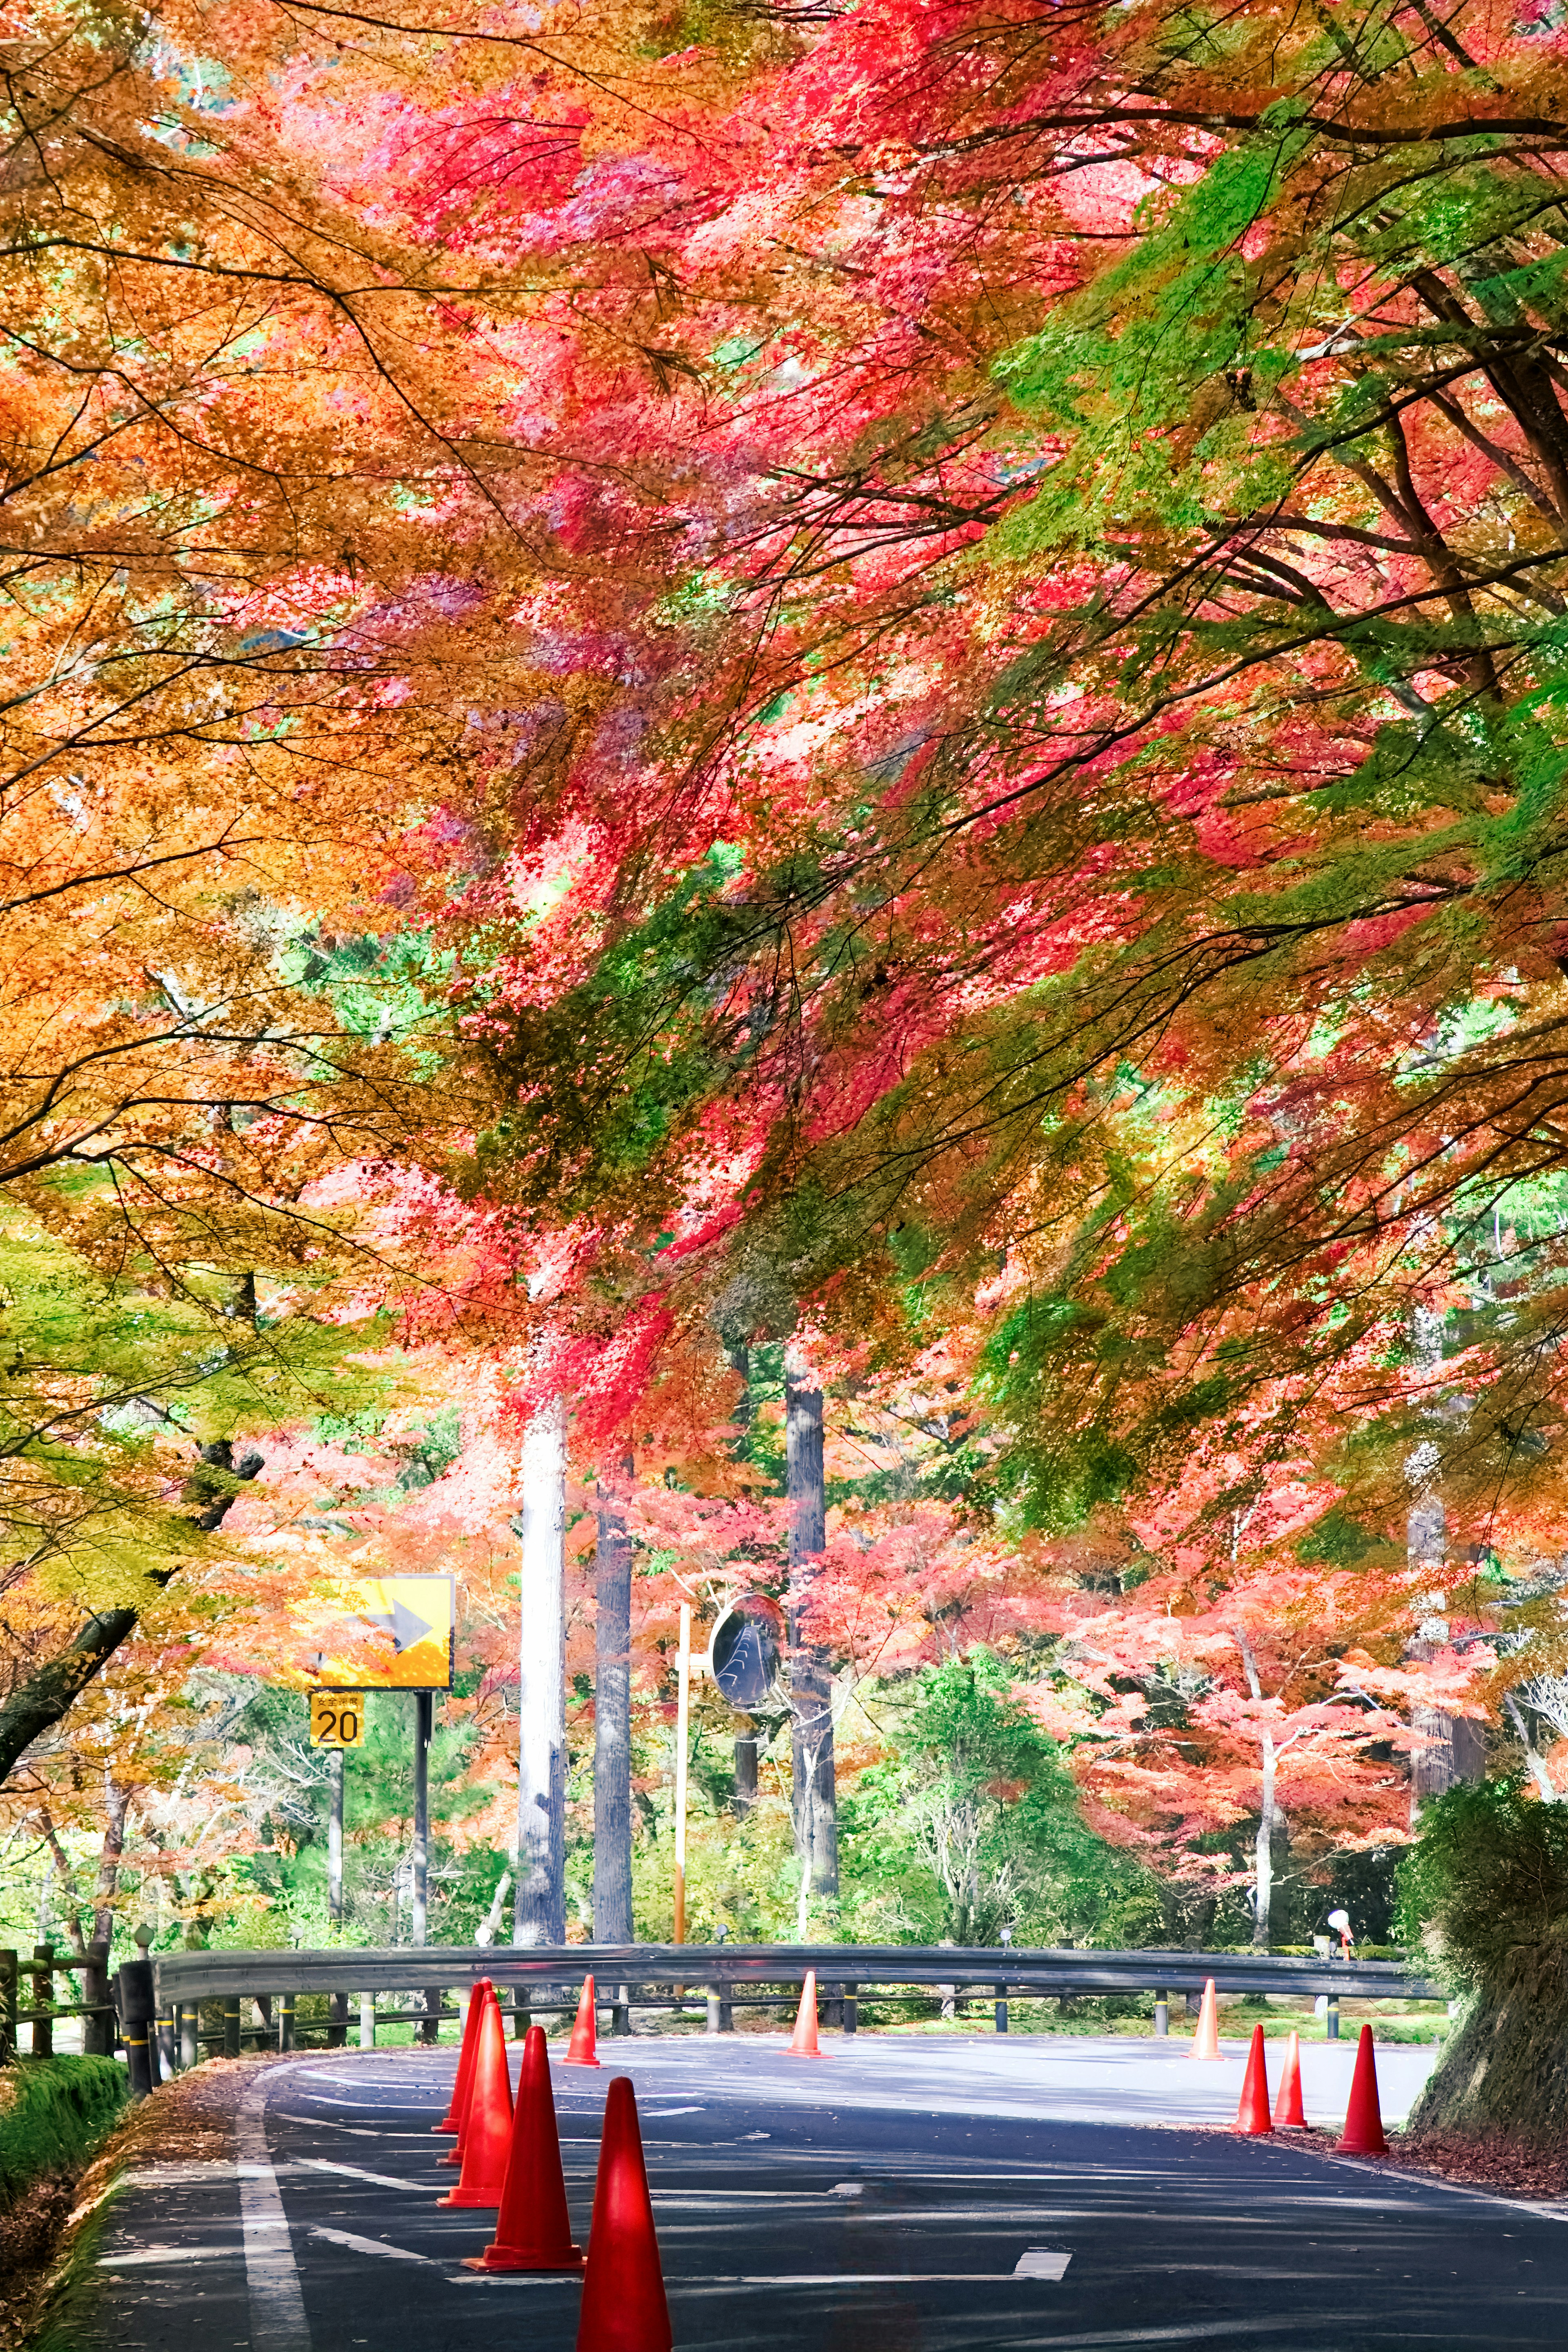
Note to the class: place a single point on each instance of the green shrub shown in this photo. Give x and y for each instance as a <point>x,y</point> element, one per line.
<point>53,2112</point>
<point>1487,1882</point>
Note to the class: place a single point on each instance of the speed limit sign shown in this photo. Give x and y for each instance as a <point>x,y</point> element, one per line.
<point>337,1718</point>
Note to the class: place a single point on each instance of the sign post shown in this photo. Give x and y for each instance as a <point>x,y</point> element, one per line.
<point>682,1740</point>
<point>337,1721</point>
<point>397,1634</point>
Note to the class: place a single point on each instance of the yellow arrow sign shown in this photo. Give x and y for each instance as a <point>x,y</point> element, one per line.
<point>394,1634</point>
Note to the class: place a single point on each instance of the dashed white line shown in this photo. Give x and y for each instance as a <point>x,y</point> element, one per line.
<point>376,2179</point>
<point>368,2245</point>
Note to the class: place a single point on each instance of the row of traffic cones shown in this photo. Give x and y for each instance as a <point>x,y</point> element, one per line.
<point>1363,2133</point>
<point>511,2166</point>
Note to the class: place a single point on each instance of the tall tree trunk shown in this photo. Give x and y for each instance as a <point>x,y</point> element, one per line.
<point>745,1796</point>
<point>811,1683</point>
<point>1455,1745</point>
<point>613,1715</point>
<point>1267,1830</point>
<point>539,1915</point>
<point>116,1805</point>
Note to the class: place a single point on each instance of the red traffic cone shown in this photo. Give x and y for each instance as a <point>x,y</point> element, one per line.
<point>802,2041</point>
<point>487,2127</point>
<point>583,2048</point>
<point>1290,2115</point>
<point>452,2120</point>
<point>533,2229</point>
<point>1205,2040</point>
<point>487,2000</point>
<point>1363,2134</point>
<point>624,2309</point>
<point>1252,2114</point>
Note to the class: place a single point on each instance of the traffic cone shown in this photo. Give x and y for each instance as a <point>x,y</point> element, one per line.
<point>1363,2134</point>
<point>624,2309</point>
<point>1205,2040</point>
<point>802,2041</point>
<point>533,2229</point>
<point>1252,2114</point>
<point>452,2120</point>
<point>1290,2115</point>
<point>582,2050</point>
<point>486,2001</point>
<point>487,2127</point>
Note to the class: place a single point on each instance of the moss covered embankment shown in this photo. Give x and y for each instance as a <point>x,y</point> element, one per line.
<point>1487,1880</point>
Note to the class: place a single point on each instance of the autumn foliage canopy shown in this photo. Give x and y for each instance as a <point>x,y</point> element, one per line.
<point>889,676</point>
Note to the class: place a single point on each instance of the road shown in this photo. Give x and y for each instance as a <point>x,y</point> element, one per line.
<point>897,2196</point>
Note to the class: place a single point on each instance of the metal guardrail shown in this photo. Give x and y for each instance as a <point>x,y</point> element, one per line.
<point>741,1974</point>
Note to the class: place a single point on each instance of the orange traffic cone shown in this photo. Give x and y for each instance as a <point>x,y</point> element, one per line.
<point>624,2309</point>
<point>1252,2114</point>
<point>486,2001</point>
<point>1290,2115</point>
<point>802,2041</point>
<point>452,2120</point>
<point>1205,2040</point>
<point>582,2050</point>
<point>533,2229</point>
<point>487,2128</point>
<point>1363,2134</point>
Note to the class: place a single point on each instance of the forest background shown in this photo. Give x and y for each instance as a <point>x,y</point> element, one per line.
<point>783,817</point>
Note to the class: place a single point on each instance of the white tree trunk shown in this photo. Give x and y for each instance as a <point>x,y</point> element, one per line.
<point>539,1915</point>
<point>1267,1823</point>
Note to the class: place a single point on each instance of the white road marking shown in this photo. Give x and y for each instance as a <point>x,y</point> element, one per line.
<point>146,2257</point>
<point>662,2115</point>
<point>1042,2263</point>
<point>515,2278</point>
<point>355,2131</point>
<point>182,2176</point>
<point>377,2180</point>
<point>368,2245</point>
<point>278,2321</point>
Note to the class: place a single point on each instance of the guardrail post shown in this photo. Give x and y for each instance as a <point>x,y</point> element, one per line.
<point>286,2021</point>
<point>7,2006</point>
<point>190,2017</point>
<point>97,2033</point>
<point>1000,2009</point>
<point>231,2026</point>
<point>166,2064</point>
<point>367,2020</point>
<point>851,2008</point>
<point>43,1998</point>
<point>1331,2020</point>
<point>621,2010</point>
<point>1162,2015</point>
<point>133,1999</point>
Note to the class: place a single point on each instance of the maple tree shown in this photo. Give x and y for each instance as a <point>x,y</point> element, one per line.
<point>917,651</point>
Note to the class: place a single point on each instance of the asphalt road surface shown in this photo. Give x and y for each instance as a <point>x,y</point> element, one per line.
<point>897,2196</point>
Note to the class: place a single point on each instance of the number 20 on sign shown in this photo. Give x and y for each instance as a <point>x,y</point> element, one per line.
<point>337,1718</point>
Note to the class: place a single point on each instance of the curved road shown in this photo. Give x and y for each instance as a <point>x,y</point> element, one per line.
<point>900,2196</point>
